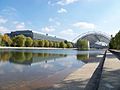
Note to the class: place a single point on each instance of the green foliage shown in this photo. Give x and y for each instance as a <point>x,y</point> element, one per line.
<point>66,41</point>
<point>6,40</point>
<point>82,44</point>
<point>46,43</point>
<point>57,44</point>
<point>35,43</point>
<point>50,44</point>
<point>28,42</point>
<point>82,57</point>
<point>115,42</point>
<point>63,45</point>
<point>69,45</point>
<point>0,39</point>
<point>19,40</point>
<point>41,43</point>
<point>112,43</point>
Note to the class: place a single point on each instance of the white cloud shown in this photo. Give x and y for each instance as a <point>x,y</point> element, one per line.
<point>20,25</point>
<point>66,2</point>
<point>2,20</point>
<point>54,21</point>
<point>68,34</point>
<point>48,29</point>
<point>3,29</point>
<point>84,25</point>
<point>62,10</point>
<point>51,19</point>
<point>9,11</point>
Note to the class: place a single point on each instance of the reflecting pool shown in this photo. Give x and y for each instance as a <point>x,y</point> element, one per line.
<point>25,68</point>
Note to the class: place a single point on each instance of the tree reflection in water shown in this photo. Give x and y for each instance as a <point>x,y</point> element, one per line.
<point>27,58</point>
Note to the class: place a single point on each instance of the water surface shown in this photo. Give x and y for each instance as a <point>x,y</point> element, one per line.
<point>40,67</point>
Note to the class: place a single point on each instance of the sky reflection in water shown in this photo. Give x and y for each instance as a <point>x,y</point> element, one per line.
<point>17,66</point>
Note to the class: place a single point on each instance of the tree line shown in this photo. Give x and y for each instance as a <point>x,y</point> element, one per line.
<point>23,41</point>
<point>115,41</point>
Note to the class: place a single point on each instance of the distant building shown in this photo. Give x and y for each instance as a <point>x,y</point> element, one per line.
<point>34,35</point>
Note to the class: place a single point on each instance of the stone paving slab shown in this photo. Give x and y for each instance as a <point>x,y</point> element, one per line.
<point>78,79</point>
<point>110,79</point>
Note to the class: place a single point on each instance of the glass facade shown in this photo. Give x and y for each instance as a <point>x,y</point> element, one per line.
<point>35,36</point>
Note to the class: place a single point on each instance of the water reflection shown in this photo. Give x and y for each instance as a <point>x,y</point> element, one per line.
<point>31,65</point>
<point>27,58</point>
<point>83,56</point>
<point>88,57</point>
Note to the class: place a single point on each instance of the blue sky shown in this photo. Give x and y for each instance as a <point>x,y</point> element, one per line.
<point>63,18</point>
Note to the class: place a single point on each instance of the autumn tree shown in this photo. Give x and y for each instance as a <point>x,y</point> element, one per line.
<point>7,40</point>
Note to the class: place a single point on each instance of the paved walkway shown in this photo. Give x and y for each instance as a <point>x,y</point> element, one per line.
<point>78,79</point>
<point>110,79</point>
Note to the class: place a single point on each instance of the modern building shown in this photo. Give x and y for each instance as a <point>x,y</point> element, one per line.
<point>96,39</point>
<point>35,35</point>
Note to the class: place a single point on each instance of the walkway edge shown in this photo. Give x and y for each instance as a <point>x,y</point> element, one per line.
<point>93,83</point>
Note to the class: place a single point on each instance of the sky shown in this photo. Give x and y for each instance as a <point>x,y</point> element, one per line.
<point>62,18</point>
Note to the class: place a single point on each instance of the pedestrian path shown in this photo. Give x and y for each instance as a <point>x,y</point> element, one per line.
<point>78,79</point>
<point>110,79</point>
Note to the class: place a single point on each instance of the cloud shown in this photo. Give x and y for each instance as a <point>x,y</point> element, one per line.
<point>20,25</point>
<point>84,25</point>
<point>68,34</point>
<point>54,21</point>
<point>9,11</point>
<point>4,29</point>
<point>51,19</point>
<point>2,20</point>
<point>48,29</point>
<point>62,10</point>
<point>66,2</point>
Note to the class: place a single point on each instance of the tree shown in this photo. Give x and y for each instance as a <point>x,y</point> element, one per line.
<point>50,44</point>
<point>82,44</point>
<point>69,45</point>
<point>115,42</point>
<point>7,40</point>
<point>46,43</point>
<point>57,44</point>
<point>62,45</point>
<point>41,43</point>
<point>112,43</point>
<point>19,40</point>
<point>35,43</point>
<point>28,42</point>
<point>0,39</point>
<point>66,41</point>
